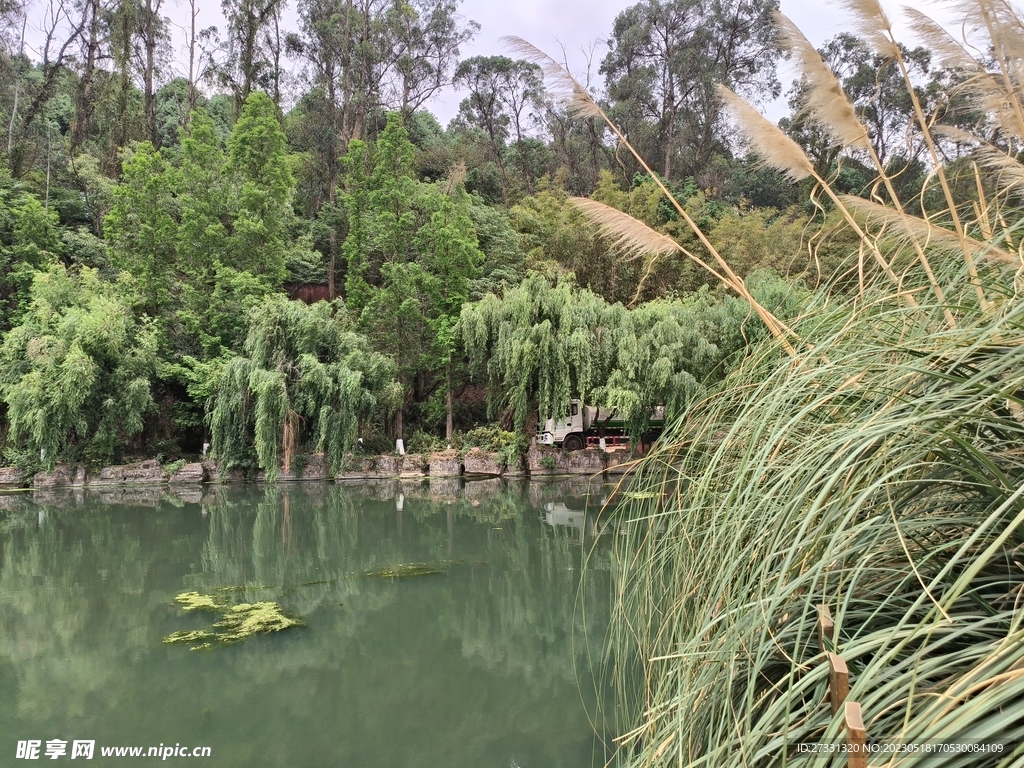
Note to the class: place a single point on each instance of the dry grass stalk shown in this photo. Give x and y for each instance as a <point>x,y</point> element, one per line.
<point>565,88</point>
<point>871,16</point>
<point>986,90</point>
<point>790,159</point>
<point>944,47</point>
<point>828,105</point>
<point>1005,30</point>
<point>1009,172</point>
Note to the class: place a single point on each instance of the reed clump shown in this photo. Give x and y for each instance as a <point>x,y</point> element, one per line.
<point>869,457</point>
<point>882,477</point>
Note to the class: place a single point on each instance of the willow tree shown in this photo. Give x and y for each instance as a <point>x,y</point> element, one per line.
<point>302,366</point>
<point>538,340</point>
<point>553,343</point>
<point>667,352</point>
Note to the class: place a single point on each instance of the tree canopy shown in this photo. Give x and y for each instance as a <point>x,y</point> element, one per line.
<point>298,165</point>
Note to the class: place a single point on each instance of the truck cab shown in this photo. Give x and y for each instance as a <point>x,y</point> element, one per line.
<point>556,431</point>
<point>583,425</point>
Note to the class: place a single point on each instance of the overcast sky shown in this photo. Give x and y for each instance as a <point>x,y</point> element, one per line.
<point>584,25</point>
<point>577,26</point>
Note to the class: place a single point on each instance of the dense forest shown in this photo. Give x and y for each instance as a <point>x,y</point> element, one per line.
<point>285,251</point>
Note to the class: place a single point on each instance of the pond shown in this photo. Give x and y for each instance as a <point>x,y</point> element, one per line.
<point>490,661</point>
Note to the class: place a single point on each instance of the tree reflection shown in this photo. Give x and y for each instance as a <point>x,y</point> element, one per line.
<point>474,667</point>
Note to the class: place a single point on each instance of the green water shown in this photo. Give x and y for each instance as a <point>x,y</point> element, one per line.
<point>483,666</point>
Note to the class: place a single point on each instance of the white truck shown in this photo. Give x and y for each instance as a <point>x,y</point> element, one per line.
<point>584,426</point>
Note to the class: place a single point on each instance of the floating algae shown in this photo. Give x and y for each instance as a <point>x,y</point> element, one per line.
<point>248,619</point>
<point>237,622</point>
<point>405,570</point>
<point>192,636</point>
<point>195,601</point>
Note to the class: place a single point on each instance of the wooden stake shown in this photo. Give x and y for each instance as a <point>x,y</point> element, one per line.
<point>856,736</point>
<point>838,681</point>
<point>826,627</point>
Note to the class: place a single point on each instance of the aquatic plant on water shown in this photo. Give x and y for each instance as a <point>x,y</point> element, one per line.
<point>237,623</point>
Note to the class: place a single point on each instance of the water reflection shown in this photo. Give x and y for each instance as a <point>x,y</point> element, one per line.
<point>478,667</point>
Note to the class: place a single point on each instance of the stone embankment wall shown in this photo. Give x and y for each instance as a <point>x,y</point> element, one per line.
<point>552,461</point>
<point>539,461</point>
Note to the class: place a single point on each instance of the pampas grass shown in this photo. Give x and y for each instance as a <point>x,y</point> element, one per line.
<point>878,472</point>
<point>826,101</point>
<point>767,139</point>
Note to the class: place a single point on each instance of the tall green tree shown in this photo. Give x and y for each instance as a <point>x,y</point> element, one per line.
<point>360,58</point>
<point>252,55</point>
<point>505,98</point>
<point>357,243</point>
<point>209,224</point>
<point>426,35</point>
<point>258,166</point>
<point>30,242</point>
<point>393,190</point>
<point>142,226</point>
<point>451,255</point>
<point>666,58</point>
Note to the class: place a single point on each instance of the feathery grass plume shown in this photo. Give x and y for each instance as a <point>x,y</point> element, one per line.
<point>775,147</point>
<point>636,238</point>
<point>872,24</point>
<point>627,233</point>
<point>983,88</point>
<point>1009,171</point>
<point>558,80</point>
<point>987,90</point>
<point>1005,29</point>
<point>944,47</point>
<point>785,155</point>
<point>826,101</point>
<point>926,233</point>
<point>827,104</point>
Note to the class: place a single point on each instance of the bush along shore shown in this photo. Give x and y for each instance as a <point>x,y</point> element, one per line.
<point>538,461</point>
